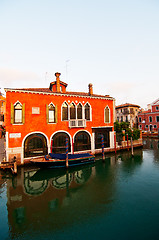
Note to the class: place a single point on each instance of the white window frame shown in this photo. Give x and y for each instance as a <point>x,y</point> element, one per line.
<point>109,114</point>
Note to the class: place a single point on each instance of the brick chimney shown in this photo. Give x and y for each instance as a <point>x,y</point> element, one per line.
<point>90,86</point>
<point>57,75</point>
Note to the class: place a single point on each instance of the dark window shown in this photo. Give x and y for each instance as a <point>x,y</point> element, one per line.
<point>51,113</point>
<point>106,112</point>
<point>155,126</point>
<point>72,111</point>
<point>64,111</point>
<point>98,139</point>
<point>150,119</point>
<point>146,126</point>
<point>126,118</point>
<point>35,145</point>
<point>82,141</point>
<point>139,119</point>
<point>59,143</point>
<point>121,118</point>
<point>87,112</point>
<point>157,119</point>
<point>157,108</point>
<point>79,111</point>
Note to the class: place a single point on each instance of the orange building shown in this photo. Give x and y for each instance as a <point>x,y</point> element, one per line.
<point>38,120</point>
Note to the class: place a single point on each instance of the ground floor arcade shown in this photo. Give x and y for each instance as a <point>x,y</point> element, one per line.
<point>37,144</point>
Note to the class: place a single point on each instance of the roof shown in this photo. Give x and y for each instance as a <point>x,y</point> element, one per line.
<point>48,91</point>
<point>127,105</point>
<point>63,83</point>
<point>156,102</point>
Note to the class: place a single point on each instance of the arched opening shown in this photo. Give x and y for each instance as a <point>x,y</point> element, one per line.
<point>64,111</point>
<point>35,145</point>
<point>82,141</point>
<point>87,112</point>
<point>79,111</point>
<point>59,143</point>
<point>72,111</point>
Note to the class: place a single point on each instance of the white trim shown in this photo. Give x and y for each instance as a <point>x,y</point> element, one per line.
<point>22,154</point>
<point>62,131</point>
<point>61,111</point>
<point>90,112</point>
<point>82,110</point>
<point>88,134</point>
<point>109,114</point>
<point>57,94</point>
<point>17,103</point>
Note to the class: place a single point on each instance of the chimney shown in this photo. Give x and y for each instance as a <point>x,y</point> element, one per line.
<point>90,86</point>
<point>57,81</point>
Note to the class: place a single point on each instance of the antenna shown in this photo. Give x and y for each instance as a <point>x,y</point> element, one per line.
<point>67,70</point>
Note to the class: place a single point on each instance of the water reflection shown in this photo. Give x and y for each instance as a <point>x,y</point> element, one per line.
<point>47,200</point>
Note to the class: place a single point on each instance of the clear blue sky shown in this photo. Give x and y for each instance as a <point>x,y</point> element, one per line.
<point>112,44</point>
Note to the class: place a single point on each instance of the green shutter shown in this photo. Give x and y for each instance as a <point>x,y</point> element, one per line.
<point>56,118</point>
<point>23,113</point>
<point>12,113</point>
<point>47,113</point>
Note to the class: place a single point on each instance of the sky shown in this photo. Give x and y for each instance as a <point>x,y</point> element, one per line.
<point>112,44</point>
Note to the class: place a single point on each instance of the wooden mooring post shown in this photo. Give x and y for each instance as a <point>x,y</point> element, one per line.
<point>115,142</point>
<point>66,152</point>
<point>132,150</point>
<point>102,140</point>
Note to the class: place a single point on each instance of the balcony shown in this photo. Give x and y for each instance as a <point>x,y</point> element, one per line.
<point>77,123</point>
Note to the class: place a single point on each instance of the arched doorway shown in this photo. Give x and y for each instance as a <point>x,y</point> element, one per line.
<point>58,144</point>
<point>35,145</point>
<point>82,141</point>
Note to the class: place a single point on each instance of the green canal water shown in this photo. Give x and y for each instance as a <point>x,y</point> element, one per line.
<point>115,199</point>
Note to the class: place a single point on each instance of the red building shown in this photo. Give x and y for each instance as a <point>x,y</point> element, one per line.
<point>38,120</point>
<point>149,120</point>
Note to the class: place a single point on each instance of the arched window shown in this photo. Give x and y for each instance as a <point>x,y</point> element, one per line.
<point>64,111</point>
<point>82,141</point>
<point>72,111</point>
<point>18,113</point>
<point>35,145</point>
<point>59,143</point>
<point>106,115</point>
<point>51,113</point>
<point>87,112</point>
<point>79,111</point>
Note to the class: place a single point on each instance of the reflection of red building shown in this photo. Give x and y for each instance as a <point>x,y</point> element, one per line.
<point>40,119</point>
<point>149,120</point>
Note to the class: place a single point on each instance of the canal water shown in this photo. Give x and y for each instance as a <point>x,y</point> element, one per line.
<point>115,199</point>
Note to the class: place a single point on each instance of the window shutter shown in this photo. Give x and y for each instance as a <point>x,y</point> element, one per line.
<point>56,118</point>
<point>23,113</point>
<point>47,113</point>
<point>12,113</point>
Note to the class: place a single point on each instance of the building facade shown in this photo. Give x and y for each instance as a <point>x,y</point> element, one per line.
<point>2,109</point>
<point>149,120</point>
<point>38,121</point>
<point>128,113</point>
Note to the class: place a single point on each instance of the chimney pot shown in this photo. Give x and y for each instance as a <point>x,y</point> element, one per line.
<point>57,74</point>
<point>90,86</point>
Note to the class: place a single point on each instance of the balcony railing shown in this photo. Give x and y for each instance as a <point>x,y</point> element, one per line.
<point>74,123</point>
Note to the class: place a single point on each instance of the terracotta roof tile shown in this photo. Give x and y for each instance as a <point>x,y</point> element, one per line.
<point>47,90</point>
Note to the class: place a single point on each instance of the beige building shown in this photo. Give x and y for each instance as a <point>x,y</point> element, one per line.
<point>127,113</point>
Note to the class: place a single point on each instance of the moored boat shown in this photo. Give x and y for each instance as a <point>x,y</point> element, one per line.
<point>58,160</point>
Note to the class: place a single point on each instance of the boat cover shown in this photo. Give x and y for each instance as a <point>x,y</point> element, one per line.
<point>62,156</point>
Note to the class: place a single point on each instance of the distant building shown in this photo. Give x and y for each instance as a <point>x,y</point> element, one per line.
<point>2,109</point>
<point>39,120</point>
<point>149,120</point>
<point>127,113</point>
